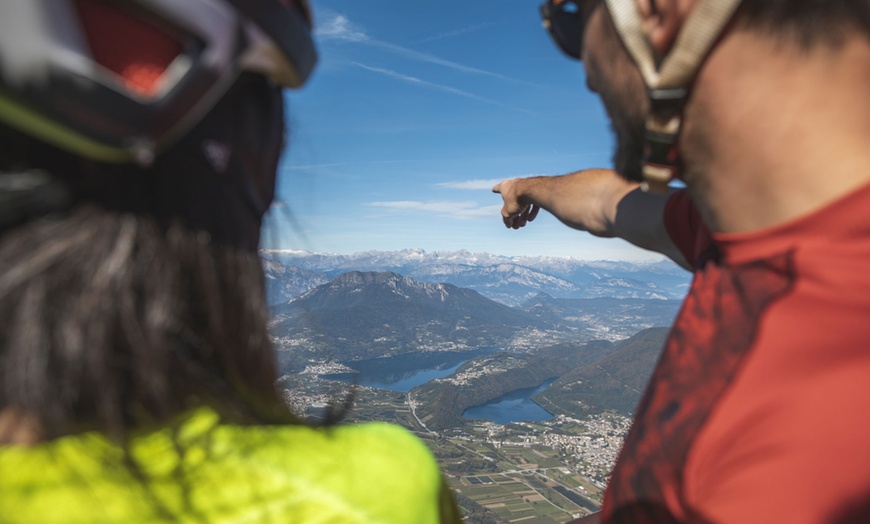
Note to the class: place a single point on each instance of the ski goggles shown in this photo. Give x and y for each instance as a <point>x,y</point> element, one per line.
<point>566,20</point>
<point>119,81</point>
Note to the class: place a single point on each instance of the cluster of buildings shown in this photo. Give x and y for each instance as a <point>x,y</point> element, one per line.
<point>481,368</point>
<point>597,448</point>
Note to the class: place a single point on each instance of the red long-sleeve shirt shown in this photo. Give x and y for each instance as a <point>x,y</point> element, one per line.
<point>758,409</point>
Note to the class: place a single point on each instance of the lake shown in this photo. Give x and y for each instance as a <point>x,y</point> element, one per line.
<point>514,406</point>
<point>405,372</point>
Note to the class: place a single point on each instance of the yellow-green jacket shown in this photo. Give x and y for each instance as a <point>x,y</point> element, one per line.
<point>204,471</point>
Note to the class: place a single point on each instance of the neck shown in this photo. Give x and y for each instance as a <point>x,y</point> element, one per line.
<point>18,428</point>
<point>774,132</point>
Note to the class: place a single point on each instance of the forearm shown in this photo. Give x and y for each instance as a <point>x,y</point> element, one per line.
<point>583,200</point>
<point>598,201</point>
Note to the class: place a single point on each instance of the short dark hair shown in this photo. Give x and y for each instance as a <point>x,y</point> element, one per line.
<point>806,22</point>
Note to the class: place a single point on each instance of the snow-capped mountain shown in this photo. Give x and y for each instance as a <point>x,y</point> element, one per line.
<point>367,315</point>
<point>509,280</point>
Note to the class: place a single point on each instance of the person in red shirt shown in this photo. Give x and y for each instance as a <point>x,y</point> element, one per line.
<point>755,411</point>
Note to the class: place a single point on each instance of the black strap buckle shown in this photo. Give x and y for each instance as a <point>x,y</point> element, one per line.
<point>661,157</point>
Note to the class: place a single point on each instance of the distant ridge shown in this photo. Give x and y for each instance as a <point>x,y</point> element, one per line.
<point>360,315</point>
<point>613,383</point>
<point>593,377</point>
<point>606,318</point>
<point>366,314</point>
<point>509,280</point>
<point>485,378</point>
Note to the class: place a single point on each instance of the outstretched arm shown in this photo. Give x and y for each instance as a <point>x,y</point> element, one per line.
<point>595,200</point>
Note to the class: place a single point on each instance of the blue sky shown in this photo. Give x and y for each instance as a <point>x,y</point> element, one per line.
<point>415,111</point>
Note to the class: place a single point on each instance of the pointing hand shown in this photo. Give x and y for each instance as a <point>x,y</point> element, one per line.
<point>514,213</point>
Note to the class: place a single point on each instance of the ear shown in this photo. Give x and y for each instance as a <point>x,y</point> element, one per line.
<point>662,20</point>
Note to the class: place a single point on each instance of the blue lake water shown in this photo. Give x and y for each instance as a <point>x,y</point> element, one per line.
<point>405,372</point>
<point>515,406</point>
<point>402,384</point>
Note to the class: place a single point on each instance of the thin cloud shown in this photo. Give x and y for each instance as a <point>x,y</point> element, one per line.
<point>437,87</point>
<point>416,205</point>
<point>432,59</point>
<point>471,185</point>
<point>447,208</point>
<point>477,185</point>
<point>493,212</point>
<point>336,26</point>
<point>306,167</point>
<point>459,32</point>
<point>420,82</point>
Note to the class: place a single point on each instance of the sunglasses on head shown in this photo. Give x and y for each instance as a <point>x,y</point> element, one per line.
<point>565,20</point>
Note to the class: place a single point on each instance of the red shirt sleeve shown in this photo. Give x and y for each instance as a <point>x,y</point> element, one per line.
<point>685,227</point>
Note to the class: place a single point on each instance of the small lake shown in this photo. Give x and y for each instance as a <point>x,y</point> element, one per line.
<point>405,372</point>
<point>514,406</point>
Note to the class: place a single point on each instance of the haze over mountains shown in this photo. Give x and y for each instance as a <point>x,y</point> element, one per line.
<point>591,378</point>
<point>509,280</point>
<point>365,315</point>
<point>595,326</point>
<point>362,315</point>
<point>614,382</point>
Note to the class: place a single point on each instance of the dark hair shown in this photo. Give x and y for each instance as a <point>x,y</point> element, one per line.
<point>806,22</point>
<point>145,297</point>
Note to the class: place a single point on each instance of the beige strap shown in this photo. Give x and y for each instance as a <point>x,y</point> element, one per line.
<point>694,41</point>
<point>676,71</point>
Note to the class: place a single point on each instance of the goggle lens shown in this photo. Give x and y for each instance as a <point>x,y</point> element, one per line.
<point>565,22</point>
<point>137,52</point>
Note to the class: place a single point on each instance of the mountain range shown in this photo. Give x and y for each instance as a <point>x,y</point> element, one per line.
<point>614,382</point>
<point>591,378</point>
<point>362,315</point>
<point>596,327</point>
<point>509,280</point>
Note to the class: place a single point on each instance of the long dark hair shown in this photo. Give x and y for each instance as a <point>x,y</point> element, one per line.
<point>143,297</point>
